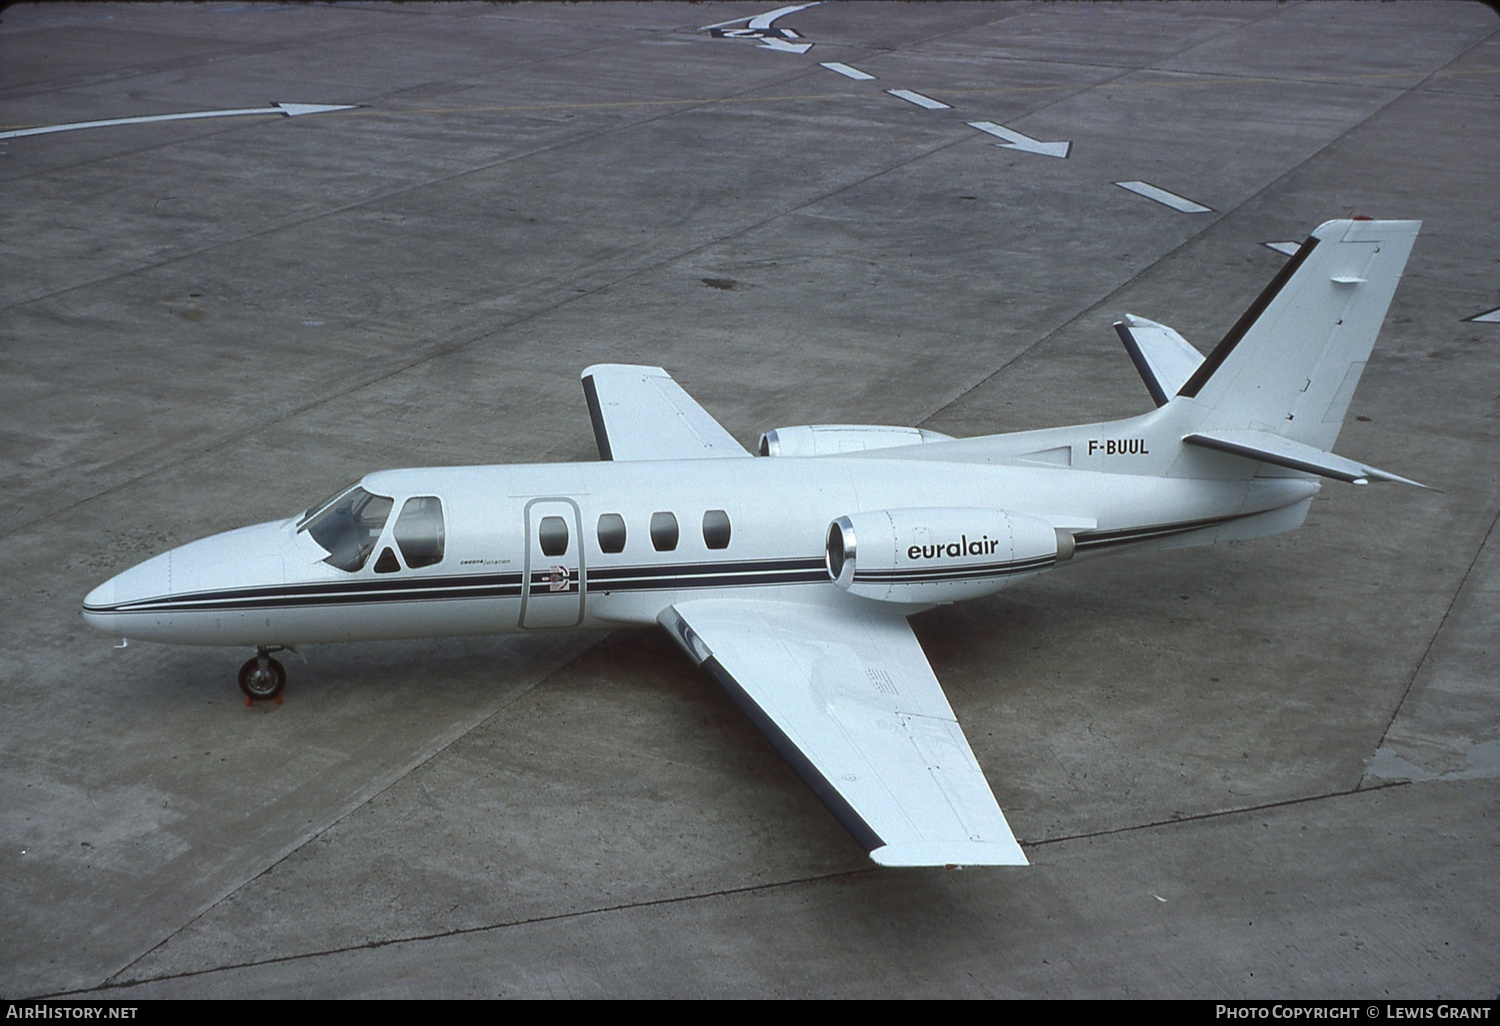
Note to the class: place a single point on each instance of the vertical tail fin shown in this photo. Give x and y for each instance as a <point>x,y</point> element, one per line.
<point>1290,364</point>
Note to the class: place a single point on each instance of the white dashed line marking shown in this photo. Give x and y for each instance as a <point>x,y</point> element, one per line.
<point>847,72</point>
<point>919,99</point>
<point>1165,198</point>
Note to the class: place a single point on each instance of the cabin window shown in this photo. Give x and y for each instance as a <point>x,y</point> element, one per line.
<point>611,532</point>
<point>387,564</point>
<point>552,533</point>
<point>716,529</point>
<point>349,526</point>
<point>663,531</point>
<point>419,531</point>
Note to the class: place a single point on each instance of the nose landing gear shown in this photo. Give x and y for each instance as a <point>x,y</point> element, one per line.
<point>263,677</point>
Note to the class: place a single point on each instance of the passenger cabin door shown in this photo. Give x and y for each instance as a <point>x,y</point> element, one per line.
<point>553,581</point>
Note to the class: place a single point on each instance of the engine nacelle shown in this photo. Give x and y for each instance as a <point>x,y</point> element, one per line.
<point>939,555</point>
<point>825,439</point>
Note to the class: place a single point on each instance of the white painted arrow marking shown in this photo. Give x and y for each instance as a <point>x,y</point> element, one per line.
<point>290,110</point>
<point>293,110</point>
<point>1016,141</point>
<point>761,21</point>
<point>1284,248</point>
<point>784,46</point>
<point>1165,198</point>
<point>1488,317</point>
<point>919,99</point>
<point>762,30</point>
<point>847,71</point>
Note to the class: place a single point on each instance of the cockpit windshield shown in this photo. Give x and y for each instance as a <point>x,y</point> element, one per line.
<point>348,527</point>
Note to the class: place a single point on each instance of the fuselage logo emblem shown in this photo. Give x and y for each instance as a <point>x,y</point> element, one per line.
<point>963,547</point>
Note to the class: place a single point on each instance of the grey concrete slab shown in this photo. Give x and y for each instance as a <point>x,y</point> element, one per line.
<point>1448,722</point>
<point>1310,908</point>
<point>1268,768</point>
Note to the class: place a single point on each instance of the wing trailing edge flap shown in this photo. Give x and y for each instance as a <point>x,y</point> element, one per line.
<point>848,698</point>
<point>1286,452</point>
<point>641,413</point>
<point>1163,358</point>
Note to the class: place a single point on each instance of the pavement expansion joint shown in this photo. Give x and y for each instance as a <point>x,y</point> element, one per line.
<point>629,906</point>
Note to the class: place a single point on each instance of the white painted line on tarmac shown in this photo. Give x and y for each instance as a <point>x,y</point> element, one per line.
<point>1488,317</point>
<point>919,99</point>
<point>759,21</point>
<point>1286,248</point>
<point>1165,198</point>
<point>1016,141</point>
<point>290,110</point>
<point>847,72</point>
<point>771,43</point>
<point>763,21</point>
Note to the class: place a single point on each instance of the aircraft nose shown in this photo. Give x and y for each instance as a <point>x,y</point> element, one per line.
<point>102,607</point>
<point>97,605</point>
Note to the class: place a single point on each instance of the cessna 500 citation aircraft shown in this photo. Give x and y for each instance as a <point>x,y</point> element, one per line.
<point>789,579</point>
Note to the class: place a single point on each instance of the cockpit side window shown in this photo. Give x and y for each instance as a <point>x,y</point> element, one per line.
<point>318,507</point>
<point>419,531</point>
<point>349,527</point>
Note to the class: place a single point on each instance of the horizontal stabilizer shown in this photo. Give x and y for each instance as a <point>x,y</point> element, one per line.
<point>1286,452</point>
<point>1164,359</point>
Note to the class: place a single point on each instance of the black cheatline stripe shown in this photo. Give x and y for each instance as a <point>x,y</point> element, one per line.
<point>1142,365</point>
<point>596,416</point>
<point>509,585</point>
<point>717,581</point>
<point>955,574</point>
<point>379,590</point>
<point>689,569</point>
<point>1250,316</point>
<point>804,767</point>
<point>335,589</point>
<point>296,601</point>
<point>1125,535</point>
<point>939,578</point>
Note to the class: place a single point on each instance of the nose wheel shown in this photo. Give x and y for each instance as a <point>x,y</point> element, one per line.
<point>262,677</point>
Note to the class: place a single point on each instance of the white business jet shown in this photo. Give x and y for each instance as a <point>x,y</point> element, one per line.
<point>789,579</point>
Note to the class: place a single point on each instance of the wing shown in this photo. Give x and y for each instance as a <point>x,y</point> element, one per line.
<point>640,413</point>
<point>849,699</point>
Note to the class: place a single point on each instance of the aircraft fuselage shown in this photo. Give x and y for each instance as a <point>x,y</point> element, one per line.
<point>540,546</point>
